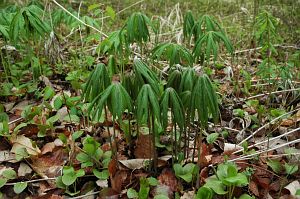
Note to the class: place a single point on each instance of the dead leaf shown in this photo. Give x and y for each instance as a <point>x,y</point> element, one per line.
<point>228,147</point>
<point>293,187</point>
<point>7,156</point>
<point>23,142</point>
<point>134,163</point>
<point>108,193</point>
<point>29,130</point>
<point>102,183</point>
<point>188,195</point>
<point>118,182</point>
<point>50,164</point>
<point>48,147</point>
<point>144,147</point>
<point>24,169</point>
<point>168,178</point>
<point>253,188</point>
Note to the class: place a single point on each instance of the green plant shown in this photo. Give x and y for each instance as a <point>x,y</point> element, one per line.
<point>28,19</point>
<point>186,172</point>
<point>174,53</point>
<point>69,178</point>
<point>208,44</point>
<point>143,193</point>
<point>170,102</point>
<point>226,179</point>
<point>148,111</point>
<point>188,26</point>
<point>116,98</point>
<point>97,81</point>
<point>137,28</point>
<point>10,174</point>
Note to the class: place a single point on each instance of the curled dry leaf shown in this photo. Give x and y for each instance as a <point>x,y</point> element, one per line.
<point>188,195</point>
<point>7,156</point>
<point>23,142</point>
<point>24,169</point>
<point>293,187</point>
<point>228,147</point>
<point>48,147</point>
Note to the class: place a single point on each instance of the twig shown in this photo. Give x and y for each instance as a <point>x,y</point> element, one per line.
<point>274,138</point>
<point>85,195</point>
<point>276,45</point>
<point>277,118</point>
<point>30,181</point>
<point>123,9</point>
<point>274,92</point>
<point>64,9</point>
<point>264,151</point>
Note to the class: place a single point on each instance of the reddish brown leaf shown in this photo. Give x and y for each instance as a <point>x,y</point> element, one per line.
<point>144,147</point>
<point>168,178</point>
<point>50,164</point>
<point>253,188</point>
<point>118,182</point>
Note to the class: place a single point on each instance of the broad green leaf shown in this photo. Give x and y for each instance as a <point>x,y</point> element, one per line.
<point>57,103</point>
<point>246,196</point>
<point>152,181</point>
<point>48,93</point>
<point>9,174</point>
<point>131,193</point>
<point>204,193</point>
<point>19,187</point>
<point>69,178</point>
<point>290,168</point>
<point>216,185</point>
<point>102,175</point>
<point>82,157</point>
<point>211,138</point>
<point>275,165</point>
<point>3,181</point>
<point>110,12</point>
<point>76,135</point>
<point>239,180</point>
<point>80,173</point>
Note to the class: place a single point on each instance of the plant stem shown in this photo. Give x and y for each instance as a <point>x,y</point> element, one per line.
<point>155,161</point>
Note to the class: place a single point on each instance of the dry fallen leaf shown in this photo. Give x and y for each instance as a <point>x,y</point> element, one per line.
<point>24,169</point>
<point>168,178</point>
<point>48,147</point>
<point>23,142</point>
<point>293,187</point>
<point>144,147</point>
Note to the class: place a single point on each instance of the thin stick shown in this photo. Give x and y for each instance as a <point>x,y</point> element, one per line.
<point>274,138</point>
<point>264,151</point>
<point>123,9</point>
<point>255,132</point>
<point>276,45</point>
<point>30,181</point>
<point>92,27</point>
<point>85,195</point>
<point>275,92</point>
